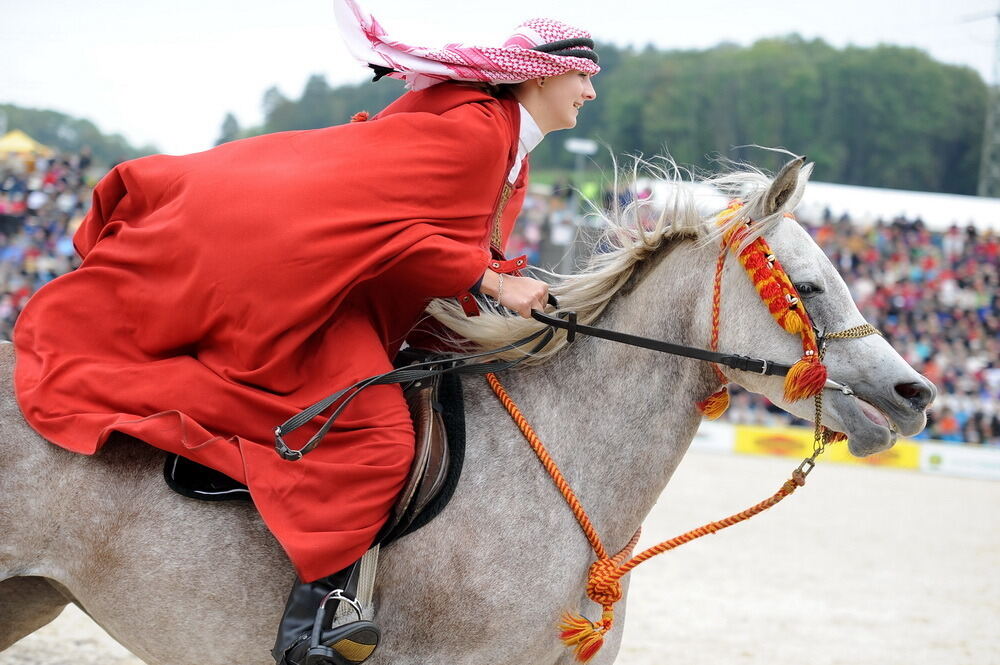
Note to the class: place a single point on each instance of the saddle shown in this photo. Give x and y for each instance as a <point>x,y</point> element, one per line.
<point>438,415</point>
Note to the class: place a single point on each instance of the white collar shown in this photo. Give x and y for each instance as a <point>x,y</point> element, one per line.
<point>530,137</point>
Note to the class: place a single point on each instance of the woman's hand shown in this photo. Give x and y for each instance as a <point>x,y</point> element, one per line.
<point>521,294</point>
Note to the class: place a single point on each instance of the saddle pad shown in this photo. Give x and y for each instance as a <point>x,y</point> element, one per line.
<point>195,481</point>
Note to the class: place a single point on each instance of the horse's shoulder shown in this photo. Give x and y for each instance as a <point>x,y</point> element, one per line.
<point>7,398</point>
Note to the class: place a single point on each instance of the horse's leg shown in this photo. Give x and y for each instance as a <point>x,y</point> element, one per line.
<point>26,604</point>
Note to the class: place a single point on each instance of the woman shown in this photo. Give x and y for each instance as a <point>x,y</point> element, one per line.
<point>222,292</point>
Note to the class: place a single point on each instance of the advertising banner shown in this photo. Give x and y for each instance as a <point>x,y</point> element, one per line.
<point>798,442</point>
<point>935,457</point>
<point>965,460</point>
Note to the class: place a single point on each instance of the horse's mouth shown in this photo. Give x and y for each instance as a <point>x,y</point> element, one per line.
<point>869,430</point>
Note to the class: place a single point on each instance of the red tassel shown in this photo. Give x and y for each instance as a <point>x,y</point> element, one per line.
<point>574,629</point>
<point>834,437</point>
<point>716,403</point>
<point>580,633</point>
<point>360,116</point>
<point>806,378</point>
<point>588,648</point>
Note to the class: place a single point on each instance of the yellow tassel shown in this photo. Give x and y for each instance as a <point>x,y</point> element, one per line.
<point>589,647</point>
<point>805,379</point>
<point>716,404</point>
<point>580,633</point>
<point>575,628</point>
<point>792,322</point>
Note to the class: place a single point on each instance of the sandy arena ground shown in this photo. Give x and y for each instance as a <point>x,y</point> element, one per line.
<point>862,566</point>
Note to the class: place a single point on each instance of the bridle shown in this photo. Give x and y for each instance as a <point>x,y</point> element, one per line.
<point>475,364</point>
<point>567,321</point>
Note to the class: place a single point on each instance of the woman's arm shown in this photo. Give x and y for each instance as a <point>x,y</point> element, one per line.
<point>521,294</point>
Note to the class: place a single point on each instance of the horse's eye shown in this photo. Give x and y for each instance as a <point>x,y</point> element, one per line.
<point>807,289</point>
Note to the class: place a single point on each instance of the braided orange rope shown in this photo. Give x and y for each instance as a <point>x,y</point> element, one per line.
<point>603,580</point>
<point>807,376</point>
<point>717,403</point>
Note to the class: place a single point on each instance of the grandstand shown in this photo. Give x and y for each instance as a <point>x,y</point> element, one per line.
<point>922,267</point>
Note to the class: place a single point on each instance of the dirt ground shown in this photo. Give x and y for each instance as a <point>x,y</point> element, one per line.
<point>862,566</point>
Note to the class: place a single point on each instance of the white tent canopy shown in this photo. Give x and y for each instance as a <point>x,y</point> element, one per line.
<point>865,205</point>
<point>868,204</point>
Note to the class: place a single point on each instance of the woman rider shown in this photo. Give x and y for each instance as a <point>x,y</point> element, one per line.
<point>221,292</point>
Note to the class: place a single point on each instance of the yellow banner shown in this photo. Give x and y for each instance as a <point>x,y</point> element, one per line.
<point>797,442</point>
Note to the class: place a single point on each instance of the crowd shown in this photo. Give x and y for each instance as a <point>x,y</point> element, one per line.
<point>42,201</point>
<point>934,295</point>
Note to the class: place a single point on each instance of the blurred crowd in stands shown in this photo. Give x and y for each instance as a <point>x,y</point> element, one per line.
<point>42,201</point>
<point>935,295</point>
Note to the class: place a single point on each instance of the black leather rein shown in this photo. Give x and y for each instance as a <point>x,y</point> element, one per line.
<point>745,363</point>
<point>461,364</point>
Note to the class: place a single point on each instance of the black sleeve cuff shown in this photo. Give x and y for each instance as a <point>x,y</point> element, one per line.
<point>474,289</point>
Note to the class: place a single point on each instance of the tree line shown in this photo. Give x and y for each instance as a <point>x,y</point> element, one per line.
<point>885,116</point>
<point>69,134</point>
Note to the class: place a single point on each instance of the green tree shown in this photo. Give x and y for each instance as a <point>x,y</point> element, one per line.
<point>230,130</point>
<point>886,116</point>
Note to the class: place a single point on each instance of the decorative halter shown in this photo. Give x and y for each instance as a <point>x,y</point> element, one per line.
<point>807,377</point>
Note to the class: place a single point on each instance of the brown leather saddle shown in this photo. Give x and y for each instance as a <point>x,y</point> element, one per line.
<point>439,423</point>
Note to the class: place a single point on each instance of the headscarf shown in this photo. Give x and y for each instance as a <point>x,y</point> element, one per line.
<point>539,47</point>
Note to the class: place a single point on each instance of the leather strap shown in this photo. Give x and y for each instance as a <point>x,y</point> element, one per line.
<point>464,365</point>
<point>745,363</point>
<point>511,266</point>
<point>415,372</point>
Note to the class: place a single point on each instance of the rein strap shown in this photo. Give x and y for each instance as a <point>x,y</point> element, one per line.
<point>745,363</point>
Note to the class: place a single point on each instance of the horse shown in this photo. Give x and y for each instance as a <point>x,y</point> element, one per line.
<point>180,582</point>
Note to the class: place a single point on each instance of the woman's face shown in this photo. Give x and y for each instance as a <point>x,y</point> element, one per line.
<point>560,99</point>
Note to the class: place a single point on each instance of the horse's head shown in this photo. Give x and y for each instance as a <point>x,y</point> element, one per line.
<point>889,397</point>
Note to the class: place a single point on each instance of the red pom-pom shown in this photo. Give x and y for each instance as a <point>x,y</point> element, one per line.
<point>806,378</point>
<point>770,291</point>
<point>716,403</point>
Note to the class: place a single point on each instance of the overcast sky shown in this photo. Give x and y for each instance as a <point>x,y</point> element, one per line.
<point>167,71</point>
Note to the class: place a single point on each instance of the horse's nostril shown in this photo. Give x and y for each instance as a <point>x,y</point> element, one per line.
<point>918,394</point>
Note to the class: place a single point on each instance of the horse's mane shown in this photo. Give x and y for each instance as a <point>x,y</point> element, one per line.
<point>623,249</point>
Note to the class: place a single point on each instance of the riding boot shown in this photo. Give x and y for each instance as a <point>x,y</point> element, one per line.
<point>305,635</point>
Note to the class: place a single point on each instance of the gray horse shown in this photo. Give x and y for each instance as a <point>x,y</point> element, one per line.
<point>181,582</point>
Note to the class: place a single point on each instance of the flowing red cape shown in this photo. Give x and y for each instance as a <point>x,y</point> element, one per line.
<point>222,292</point>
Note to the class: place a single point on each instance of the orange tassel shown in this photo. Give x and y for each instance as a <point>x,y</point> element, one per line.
<point>589,647</point>
<point>805,379</point>
<point>834,437</point>
<point>574,629</point>
<point>792,322</point>
<point>580,633</point>
<point>716,404</point>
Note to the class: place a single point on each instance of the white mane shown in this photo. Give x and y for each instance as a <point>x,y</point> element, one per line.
<point>623,248</point>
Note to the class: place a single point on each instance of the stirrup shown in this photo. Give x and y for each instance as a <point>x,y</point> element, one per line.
<point>348,644</point>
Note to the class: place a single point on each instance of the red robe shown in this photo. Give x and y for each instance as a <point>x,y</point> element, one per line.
<point>222,292</point>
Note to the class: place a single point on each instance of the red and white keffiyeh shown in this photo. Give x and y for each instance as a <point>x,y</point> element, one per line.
<point>539,47</point>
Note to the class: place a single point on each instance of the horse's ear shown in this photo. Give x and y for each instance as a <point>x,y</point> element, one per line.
<point>786,190</point>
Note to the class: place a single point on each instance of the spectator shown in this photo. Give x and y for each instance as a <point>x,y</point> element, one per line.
<point>933,294</point>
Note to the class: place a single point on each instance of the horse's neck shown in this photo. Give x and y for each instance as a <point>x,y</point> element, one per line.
<point>618,419</point>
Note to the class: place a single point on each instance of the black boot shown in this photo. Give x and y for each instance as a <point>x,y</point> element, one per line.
<point>304,634</point>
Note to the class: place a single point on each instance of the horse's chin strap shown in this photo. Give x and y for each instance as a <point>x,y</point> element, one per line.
<point>856,332</point>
